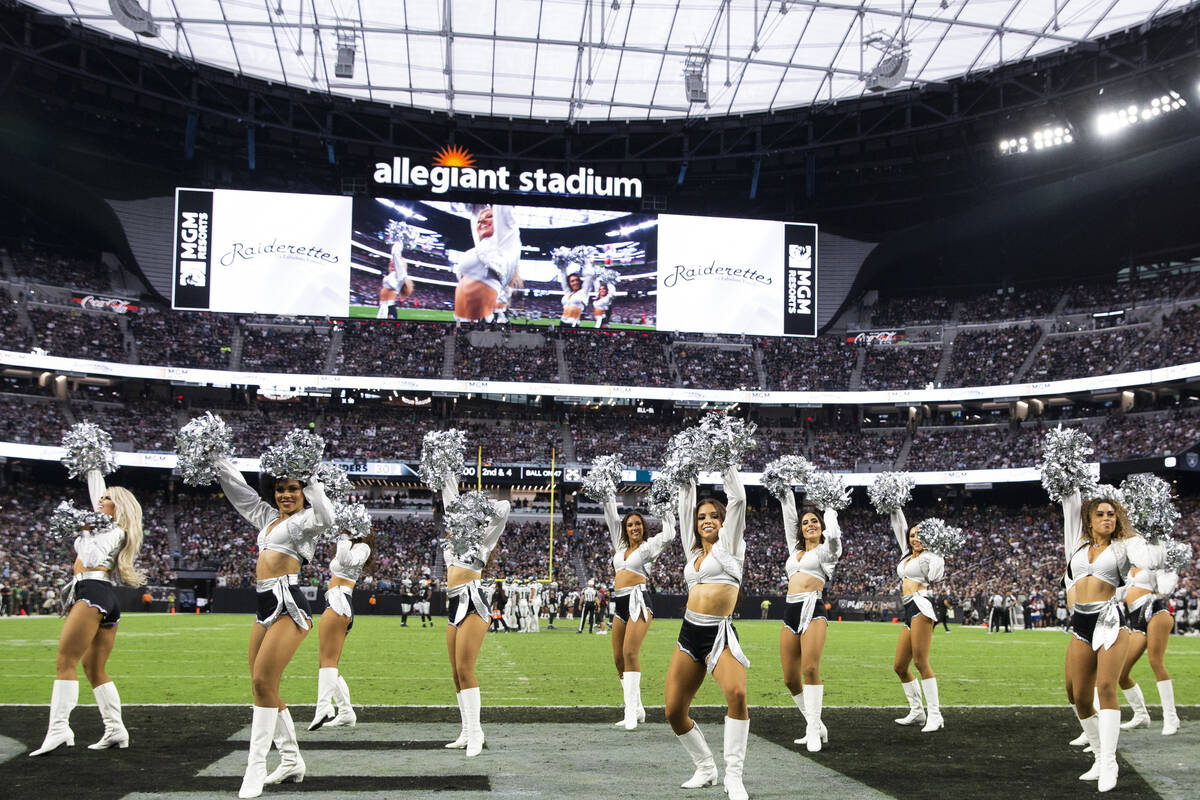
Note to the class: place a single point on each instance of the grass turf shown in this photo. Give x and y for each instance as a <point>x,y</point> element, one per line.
<point>161,658</point>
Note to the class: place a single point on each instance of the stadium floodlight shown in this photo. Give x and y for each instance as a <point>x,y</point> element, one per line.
<point>695,75</point>
<point>1111,122</point>
<point>130,14</point>
<point>1043,138</point>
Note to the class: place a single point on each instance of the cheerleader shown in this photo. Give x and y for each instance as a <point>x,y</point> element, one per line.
<point>574,300</point>
<point>712,539</point>
<point>468,617</point>
<point>485,270</point>
<point>1099,545</point>
<point>1151,623</point>
<point>602,304</point>
<point>349,562</point>
<point>396,284</point>
<point>287,537</point>
<point>814,543</point>
<point>633,553</point>
<point>90,629</point>
<point>918,568</point>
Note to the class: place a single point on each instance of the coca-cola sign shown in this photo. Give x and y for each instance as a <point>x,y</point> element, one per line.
<point>876,337</point>
<point>113,304</point>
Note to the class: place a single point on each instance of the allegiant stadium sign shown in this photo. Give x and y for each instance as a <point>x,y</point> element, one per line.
<point>455,169</point>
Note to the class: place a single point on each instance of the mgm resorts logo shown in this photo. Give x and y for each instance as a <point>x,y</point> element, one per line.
<point>714,272</point>
<point>454,168</point>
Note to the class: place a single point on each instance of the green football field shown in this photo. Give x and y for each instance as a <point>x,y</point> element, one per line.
<point>162,658</point>
<point>437,315</point>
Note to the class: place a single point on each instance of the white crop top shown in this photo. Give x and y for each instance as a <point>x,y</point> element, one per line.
<point>99,550</point>
<point>820,561</point>
<point>348,561</point>
<point>1112,564</point>
<point>926,568</point>
<point>490,536</point>
<point>728,555</point>
<point>295,536</point>
<point>639,561</point>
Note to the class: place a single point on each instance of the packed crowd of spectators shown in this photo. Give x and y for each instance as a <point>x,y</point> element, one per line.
<point>508,358</point>
<point>183,339</point>
<point>610,358</point>
<point>31,420</point>
<point>286,349</point>
<point>1109,294</point>
<point>1010,303</point>
<point>79,334</point>
<point>978,447</point>
<point>390,348</point>
<point>16,334</point>
<point>824,364</point>
<point>1176,342</point>
<point>1080,355</point>
<point>900,366</point>
<point>715,367</point>
<point>991,357</point>
<point>142,427</point>
<point>900,311</point>
<point>57,267</point>
<point>849,451</point>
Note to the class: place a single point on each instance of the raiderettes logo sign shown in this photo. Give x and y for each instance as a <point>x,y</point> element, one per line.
<point>454,168</point>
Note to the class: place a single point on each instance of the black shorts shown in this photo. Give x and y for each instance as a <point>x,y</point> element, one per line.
<point>452,604</point>
<point>1139,620</point>
<point>267,604</point>
<point>100,596</point>
<point>910,612</point>
<point>622,612</point>
<point>698,640</point>
<point>792,613</point>
<point>1083,624</point>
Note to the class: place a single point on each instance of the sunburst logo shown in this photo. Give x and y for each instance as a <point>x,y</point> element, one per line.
<point>453,155</point>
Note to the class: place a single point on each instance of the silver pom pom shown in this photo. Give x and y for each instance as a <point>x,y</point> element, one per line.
<point>442,457</point>
<point>88,447</point>
<point>352,518</point>
<point>67,521</point>
<point>1103,491</point>
<point>783,473</point>
<point>687,451</point>
<point>890,491</point>
<point>827,490</point>
<point>584,254</point>
<point>199,445</point>
<point>297,458</point>
<point>663,497</point>
<point>1178,555</point>
<point>1064,462</point>
<point>466,520</point>
<point>336,482</point>
<point>398,231</point>
<point>940,538</point>
<point>561,256</point>
<point>601,482</point>
<point>1150,505</point>
<point>605,276</point>
<point>729,439</point>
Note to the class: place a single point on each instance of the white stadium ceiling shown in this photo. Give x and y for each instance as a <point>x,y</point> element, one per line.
<point>610,59</point>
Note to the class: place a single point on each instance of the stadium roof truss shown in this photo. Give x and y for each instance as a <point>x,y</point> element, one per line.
<point>611,60</point>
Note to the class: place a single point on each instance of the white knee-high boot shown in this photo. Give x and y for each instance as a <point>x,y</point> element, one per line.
<point>262,731</point>
<point>326,685</point>
<point>1141,717</point>
<point>291,764</point>
<point>814,733</point>
<point>109,703</point>
<point>1091,729</point>
<point>472,704</point>
<point>633,690</point>
<point>461,742</point>
<point>1110,732</point>
<point>933,706</point>
<point>737,732</point>
<point>1166,693</point>
<point>345,711</point>
<point>697,748</point>
<point>916,711</point>
<point>63,699</point>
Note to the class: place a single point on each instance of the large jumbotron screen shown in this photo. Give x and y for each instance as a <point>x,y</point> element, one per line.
<point>271,253</point>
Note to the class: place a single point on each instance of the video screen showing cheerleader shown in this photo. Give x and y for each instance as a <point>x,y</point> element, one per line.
<point>523,265</point>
